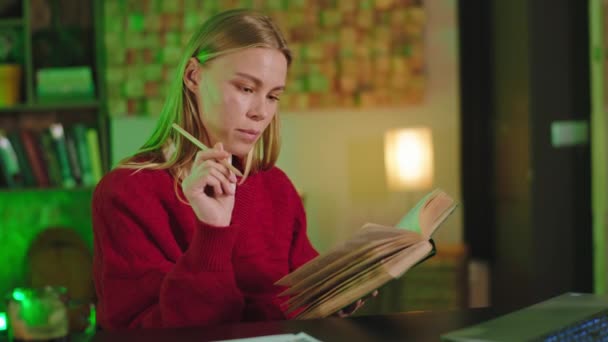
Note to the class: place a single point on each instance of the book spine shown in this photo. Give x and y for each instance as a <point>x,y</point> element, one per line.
<point>93,143</point>
<point>70,144</point>
<point>3,180</point>
<point>9,162</point>
<point>58,136</point>
<point>52,161</point>
<point>26,170</point>
<point>35,157</point>
<point>82,146</point>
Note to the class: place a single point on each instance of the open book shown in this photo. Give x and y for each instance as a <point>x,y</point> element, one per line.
<point>375,255</point>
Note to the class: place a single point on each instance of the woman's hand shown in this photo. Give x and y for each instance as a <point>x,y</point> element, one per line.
<point>349,310</point>
<point>210,187</point>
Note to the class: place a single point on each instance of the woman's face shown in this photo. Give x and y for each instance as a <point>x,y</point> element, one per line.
<point>238,95</point>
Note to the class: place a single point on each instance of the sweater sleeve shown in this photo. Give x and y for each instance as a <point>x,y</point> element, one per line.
<point>139,285</point>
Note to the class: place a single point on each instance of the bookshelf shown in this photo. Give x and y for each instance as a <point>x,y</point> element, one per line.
<point>29,208</point>
<point>62,38</point>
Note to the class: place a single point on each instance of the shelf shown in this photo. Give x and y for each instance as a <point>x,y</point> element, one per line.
<point>10,22</point>
<point>37,107</point>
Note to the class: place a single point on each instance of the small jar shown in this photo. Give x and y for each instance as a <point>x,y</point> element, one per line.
<point>38,314</point>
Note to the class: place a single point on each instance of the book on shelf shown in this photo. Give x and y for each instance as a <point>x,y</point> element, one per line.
<point>9,163</point>
<point>49,154</point>
<point>58,135</point>
<point>79,134</point>
<point>92,139</point>
<point>56,156</point>
<point>26,171</point>
<point>35,155</point>
<point>373,256</point>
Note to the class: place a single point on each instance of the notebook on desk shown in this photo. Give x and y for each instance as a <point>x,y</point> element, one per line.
<point>569,317</point>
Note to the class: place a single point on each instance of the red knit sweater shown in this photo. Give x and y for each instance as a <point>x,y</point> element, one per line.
<point>157,265</point>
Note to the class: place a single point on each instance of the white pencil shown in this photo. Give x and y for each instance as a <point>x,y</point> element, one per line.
<point>204,148</point>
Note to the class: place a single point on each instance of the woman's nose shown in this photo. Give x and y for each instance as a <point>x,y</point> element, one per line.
<point>259,110</point>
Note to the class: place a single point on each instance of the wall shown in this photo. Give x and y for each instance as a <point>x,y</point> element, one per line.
<point>336,156</point>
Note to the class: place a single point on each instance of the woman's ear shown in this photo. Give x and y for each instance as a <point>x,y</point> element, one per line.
<point>192,75</point>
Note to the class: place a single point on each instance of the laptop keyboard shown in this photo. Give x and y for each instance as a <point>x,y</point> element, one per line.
<point>592,329</point>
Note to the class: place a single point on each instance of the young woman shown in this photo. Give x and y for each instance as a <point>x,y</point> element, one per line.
<point>179,239</point>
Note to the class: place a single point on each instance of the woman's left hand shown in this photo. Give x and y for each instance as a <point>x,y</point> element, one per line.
<point>351,309</point>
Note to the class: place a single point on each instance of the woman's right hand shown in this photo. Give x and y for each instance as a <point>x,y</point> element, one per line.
<point>210,187</point>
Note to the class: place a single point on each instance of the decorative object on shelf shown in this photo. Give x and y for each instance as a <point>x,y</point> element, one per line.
<point>347,54</point>
<point>64,84</point>
<point>11,57</point>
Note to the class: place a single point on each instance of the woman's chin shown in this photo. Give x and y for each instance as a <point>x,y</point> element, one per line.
<point>240,150</point>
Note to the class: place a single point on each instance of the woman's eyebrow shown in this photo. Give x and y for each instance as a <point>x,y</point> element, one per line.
<point>257,81</point>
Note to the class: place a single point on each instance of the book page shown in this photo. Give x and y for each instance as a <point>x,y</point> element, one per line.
<point>366,282</point>
<point>364,239</point>
<point>359,257</point>
<point>309,290</point>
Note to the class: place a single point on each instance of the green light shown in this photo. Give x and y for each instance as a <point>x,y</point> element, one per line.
<point>2,321</point>
<point>92,321</point>
<point>18,295</point>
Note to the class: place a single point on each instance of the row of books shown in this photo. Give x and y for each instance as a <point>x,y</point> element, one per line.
<point>57,156</point>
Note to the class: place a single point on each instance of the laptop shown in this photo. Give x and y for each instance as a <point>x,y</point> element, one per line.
<point>568,317</point>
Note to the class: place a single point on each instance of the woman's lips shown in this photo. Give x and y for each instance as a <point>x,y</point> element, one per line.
<point>248,135</point>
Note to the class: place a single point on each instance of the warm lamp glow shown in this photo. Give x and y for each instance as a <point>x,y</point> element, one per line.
<point>408,157</point>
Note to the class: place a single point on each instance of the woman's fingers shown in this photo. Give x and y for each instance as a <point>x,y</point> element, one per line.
<point>352,308</point>
<point>211,174</point>
<point>208,175</point>
<point>226,186</point>
<point>223,170</point>
<point>214,182</point>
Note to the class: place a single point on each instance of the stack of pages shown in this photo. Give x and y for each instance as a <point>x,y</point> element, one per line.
<point>375,255</point>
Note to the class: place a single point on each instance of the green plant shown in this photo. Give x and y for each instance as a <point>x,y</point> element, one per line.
<point>11,46</point>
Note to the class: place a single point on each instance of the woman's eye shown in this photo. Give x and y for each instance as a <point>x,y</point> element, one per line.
<point>247,89</point>
<point>274,98</point>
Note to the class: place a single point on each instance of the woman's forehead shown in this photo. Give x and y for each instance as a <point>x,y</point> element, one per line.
<point>265,64</point>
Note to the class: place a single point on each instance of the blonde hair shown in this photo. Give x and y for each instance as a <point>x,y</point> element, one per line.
<point>221,34</point>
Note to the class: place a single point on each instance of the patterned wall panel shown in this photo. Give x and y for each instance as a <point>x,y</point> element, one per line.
<point>348,54</point>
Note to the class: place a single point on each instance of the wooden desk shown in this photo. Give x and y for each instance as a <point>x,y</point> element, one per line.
<point>412,326</point>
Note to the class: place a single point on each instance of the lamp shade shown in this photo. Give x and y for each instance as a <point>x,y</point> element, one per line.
<point>408,158</point>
